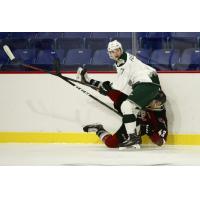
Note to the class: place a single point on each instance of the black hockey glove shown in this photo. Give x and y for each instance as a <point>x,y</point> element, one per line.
<point>105,87</point>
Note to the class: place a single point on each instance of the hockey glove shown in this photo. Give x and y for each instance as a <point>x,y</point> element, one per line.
<point>105,87</point>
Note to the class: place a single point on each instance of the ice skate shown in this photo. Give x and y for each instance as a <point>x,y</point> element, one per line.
<point>133,141</point>
<point>97,128</point>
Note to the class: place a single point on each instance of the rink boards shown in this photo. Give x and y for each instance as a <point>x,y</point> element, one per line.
<point>41,108</point>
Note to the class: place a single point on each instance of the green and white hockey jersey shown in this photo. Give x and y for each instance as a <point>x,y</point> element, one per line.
<point>130,70</point>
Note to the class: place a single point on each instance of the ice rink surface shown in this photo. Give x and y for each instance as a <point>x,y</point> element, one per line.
<point>78,155</point>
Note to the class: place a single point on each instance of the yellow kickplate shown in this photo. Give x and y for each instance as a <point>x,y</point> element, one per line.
<point>47,137</point>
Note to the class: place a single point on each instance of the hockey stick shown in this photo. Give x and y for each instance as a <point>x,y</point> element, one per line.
<point>57,65</point>
<point>58,74</point>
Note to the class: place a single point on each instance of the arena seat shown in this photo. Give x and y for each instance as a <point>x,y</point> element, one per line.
<point>49,35</point>
<point>4,35</point>
<point>3,57</point>
<point>16,43</point>
<point>185,34</point>
<point>141,34</point>
<point>125,34</point>
<point>190,59</point>
<point>164,59</point>
<point>103,34</point>
<point>76,34</point>
<point>101,61</point>
<point>101,57</point>
<point>26,55</point>
<point>185,40</point>
<point>78,57</point>
<point>69,43</point>
<point>163,35</point>
<point>153,40</point>
<point>42,44</point>
<point>96,43</point>
<point>47,57</point>
<point>23,35</point>
<point>143,55</point>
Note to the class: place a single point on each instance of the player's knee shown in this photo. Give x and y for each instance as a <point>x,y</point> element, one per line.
<point>111,141</point>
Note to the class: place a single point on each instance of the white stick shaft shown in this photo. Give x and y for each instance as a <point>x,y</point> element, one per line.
<point>8,52</point>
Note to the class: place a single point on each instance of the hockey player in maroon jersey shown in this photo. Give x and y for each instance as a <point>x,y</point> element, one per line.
<point>151,121</point>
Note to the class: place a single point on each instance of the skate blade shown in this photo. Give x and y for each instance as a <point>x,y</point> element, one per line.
<point>135,146</point>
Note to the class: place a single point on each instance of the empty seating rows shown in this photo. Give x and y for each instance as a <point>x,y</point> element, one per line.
<point>161,50</point>
<point>99,40</point>
<point>54,35</point>
<point>169,59</point>
<point>66,41</point>
<point>170,40</point>
<point>70,60</point>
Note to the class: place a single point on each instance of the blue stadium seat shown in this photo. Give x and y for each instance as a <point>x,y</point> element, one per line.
<point>26,55</point>
<point>190,59</point>
<point>23,35</point>
<point>46,57</point>
<point>185,40</point>
<point>155,35</point>
<point>185,34</point>
<point>164,59</point>
<point>101,57</point>
<point>49,35</point>
<point>141,34</point>
<point>125,34</point>
<point>4,35</point>
<point>76,34</point>
<point>78,57</point>
<point>104,34</point>
<point>101,61</point>
<point>96,43</point>
<point>153,40</point>
<point>3,57</point>
<point>16,43</point>
<point>143,55</point>
<point>60,53</point>
<point>42,44</point>
<point>69,43</point>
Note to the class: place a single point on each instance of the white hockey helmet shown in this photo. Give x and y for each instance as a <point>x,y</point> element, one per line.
<point>114,45</point>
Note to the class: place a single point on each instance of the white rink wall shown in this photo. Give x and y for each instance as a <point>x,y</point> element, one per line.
<point>41,102</point>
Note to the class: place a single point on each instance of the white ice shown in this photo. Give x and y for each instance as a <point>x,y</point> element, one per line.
<point>77,154</point>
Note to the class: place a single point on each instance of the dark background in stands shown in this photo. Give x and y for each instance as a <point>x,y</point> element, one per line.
<point>162,50</point>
